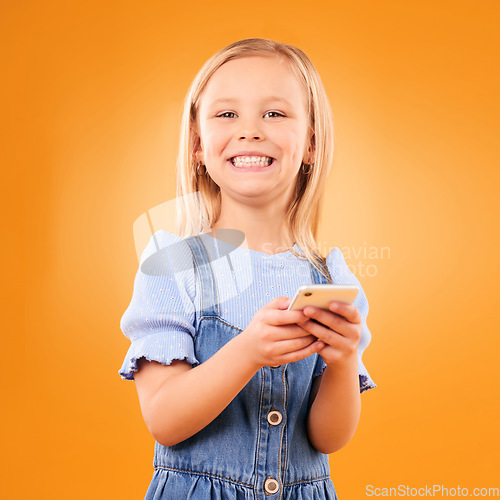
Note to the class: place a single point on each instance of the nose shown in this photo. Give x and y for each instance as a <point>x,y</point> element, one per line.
<point>249,129</point>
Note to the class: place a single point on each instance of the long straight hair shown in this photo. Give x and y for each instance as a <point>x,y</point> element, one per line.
<point>195,214</point>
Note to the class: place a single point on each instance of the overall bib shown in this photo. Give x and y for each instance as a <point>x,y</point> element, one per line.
<point>257,448</point>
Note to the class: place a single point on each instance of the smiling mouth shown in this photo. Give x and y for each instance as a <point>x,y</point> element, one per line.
<point>251,161</point>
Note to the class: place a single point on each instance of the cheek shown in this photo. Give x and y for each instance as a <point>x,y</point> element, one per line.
<point>292,146</point>
<point>213,140</point>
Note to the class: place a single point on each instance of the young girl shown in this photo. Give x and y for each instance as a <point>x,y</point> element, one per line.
<point>244,398</point>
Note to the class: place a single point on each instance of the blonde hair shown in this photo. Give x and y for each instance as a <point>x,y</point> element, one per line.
<point>197,214</point>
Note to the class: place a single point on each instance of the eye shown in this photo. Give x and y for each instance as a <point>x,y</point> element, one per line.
<point>275,114</point>
<point>226,114</point>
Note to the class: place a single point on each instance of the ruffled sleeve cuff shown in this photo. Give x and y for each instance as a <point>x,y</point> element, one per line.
<point>365,381</point>
<point>320,367</point>
<point>162,347</point>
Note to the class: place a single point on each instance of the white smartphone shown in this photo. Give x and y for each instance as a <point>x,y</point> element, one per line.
<point>321,296</point>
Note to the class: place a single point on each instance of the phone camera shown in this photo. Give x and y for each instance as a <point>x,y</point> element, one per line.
<point>307,294</point>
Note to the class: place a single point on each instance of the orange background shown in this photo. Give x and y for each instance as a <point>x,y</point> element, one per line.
<point>91,103</point>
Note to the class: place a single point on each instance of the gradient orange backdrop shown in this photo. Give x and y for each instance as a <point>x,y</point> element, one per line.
<point>91,102</point>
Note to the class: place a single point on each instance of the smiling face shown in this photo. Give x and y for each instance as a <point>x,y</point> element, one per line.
<point>253,129</point>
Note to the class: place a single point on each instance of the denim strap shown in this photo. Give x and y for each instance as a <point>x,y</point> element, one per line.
<point>209,298</point>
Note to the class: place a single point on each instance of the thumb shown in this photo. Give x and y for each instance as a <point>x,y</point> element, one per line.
<point>281,302</point>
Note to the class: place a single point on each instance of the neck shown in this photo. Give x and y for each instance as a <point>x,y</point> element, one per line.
<point>262,226</point>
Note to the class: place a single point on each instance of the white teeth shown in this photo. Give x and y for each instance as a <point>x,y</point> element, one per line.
<point>247,160</point>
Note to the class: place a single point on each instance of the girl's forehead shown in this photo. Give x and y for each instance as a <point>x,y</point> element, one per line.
<point>254,76</point>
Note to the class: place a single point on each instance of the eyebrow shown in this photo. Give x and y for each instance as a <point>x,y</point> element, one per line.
<point>270,98</point>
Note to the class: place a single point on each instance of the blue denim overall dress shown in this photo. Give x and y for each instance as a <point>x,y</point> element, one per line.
<point>257,448</point>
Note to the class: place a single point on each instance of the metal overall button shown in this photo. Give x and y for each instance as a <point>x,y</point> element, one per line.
<point>271,486</point>
<point>274,417</point>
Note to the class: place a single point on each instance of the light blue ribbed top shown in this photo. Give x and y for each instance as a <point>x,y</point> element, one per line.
<point>163,314</point>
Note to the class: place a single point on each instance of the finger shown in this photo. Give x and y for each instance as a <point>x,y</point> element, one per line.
<point>289,332</point>
<point>349,311</point>
<point>338,340</point>
<point>299,354</point>
<point>327,335</point>
<point>326,319</point>
<point>282,317</point>
<point>346,330</point>
<point>292,345</point>
<point>281,302</point>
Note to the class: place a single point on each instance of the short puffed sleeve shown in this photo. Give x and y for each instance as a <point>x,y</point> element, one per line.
<point>342,275</point>
<point>160,318</point>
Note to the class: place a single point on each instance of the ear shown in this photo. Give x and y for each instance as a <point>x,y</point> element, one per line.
<point>196,146</point>
<point>310,152</point>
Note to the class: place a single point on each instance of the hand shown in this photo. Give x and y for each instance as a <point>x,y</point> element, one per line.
<point>274,338</point>
<point>339,329</point>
